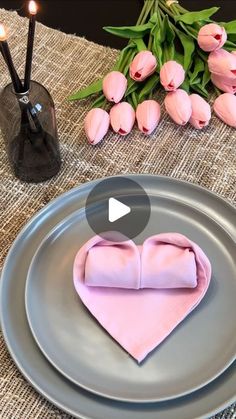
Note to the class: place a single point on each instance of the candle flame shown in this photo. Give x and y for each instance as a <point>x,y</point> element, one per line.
<point>33,7</point>
<point>3,34</point>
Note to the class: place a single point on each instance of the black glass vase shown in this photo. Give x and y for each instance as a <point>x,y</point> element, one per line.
<point>28,125</point>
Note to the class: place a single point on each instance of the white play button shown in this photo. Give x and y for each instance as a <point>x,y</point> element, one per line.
<point>117,210</point>
<point>118,205</point>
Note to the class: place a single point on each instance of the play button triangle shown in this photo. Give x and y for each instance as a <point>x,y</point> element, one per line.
<point>117,210</point>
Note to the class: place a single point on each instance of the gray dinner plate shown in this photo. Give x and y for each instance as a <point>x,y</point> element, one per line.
<point>34,366</point>
<point>75,343</point>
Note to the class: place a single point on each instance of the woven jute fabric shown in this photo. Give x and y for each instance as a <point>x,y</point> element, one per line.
<point>64,63</point>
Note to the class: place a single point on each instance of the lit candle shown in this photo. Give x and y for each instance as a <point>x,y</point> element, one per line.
<point>8,59</point>
<point>30,44</point>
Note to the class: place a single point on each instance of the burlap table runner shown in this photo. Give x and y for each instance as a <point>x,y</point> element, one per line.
<point>64,63</point>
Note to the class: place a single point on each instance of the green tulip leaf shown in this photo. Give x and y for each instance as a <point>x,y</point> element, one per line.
<point>189,30</point>
<point>185,85</point>
<point>191,17</point>
<point>157,51</point>
<point>232,37</point>
<point>139,42</point>
<point>148,87</point>
<point>179,57</point>
<point>199,67</point>
<point>169,34</point>
<point>130,31</point>
<point>130,101</point>
<point>123,55</point>
<point>230,27</point>
<point>132,86</point>
<point>158,38</point>
<point>93,88</point>
<point>197,80</point>
<point>134,99</point>
<point>230,46</point>
<point>158,32</point>
<point>169,51</point>
<point>200,90</point>
<point>206,76</point>
<point>127,66</point>
<point>188,46</point>
<point>99,102</point>
<point>154,18</point>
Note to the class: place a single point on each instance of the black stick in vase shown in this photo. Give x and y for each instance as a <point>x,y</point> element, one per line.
<point>8,59</point>
<point>17,84</point>
<point>30,44</point>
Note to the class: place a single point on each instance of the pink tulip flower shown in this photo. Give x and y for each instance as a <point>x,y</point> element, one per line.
<point>143,65</point>
<point>178,106</point>
<point>114,86</point>
<point>225,108</point>
<point>122,118</point>
<point>211,37</point>
<point>96,125</point>
<point>224,84</point>
<point>234,52</point>
<point>201,112</point>
<point>172,75</point>
<point>222,63</point>
<point>148,115</point>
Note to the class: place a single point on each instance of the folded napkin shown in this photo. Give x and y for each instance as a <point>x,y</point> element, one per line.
<point>155,264</point>
<point>139,294</point>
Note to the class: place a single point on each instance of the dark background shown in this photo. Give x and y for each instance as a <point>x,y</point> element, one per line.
<point>87,17</point>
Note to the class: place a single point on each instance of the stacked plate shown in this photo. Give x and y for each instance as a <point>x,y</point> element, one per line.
<point>70,359</point>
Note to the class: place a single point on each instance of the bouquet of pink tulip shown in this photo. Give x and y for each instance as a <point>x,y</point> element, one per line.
<point>186,53</point>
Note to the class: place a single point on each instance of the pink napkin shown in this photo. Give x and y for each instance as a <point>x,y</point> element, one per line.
<point>139,294</point>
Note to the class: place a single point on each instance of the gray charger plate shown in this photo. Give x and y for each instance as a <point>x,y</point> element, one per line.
<point>81,349</point>
<point>29,359</point>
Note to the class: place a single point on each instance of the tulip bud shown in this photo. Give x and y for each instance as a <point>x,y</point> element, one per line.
<point>201,112</point>
<point>172,75</point>
<point>225,108</point>
<point>211,37</point>
<point>142,66</point>
<point>222,63</point>
<point>224,84</point>
<point>122,118</point>
<point>148,116</point>
<point>96,125</point>
<point>178,106</point>
<point>114,86</point>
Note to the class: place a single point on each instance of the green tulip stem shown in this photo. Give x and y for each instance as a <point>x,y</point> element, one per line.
<point>134,99</point>
<point>166,8</point>
<point>142,17</point>
<point>187,28</point>
<point>218,92</point>
<point>148,4</point>
<point>130,101</point>
<point>148,10</point>
<point>150,96</point>
<point>202,56</point>
<point>181,9</point>
<point>171,24</point>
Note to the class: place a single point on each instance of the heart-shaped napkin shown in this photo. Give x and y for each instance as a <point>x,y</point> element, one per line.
<point>139,294</point>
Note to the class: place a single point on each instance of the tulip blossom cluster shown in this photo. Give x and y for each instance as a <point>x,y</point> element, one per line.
<point>222,66</point>
<point>180,106</point>
<point>122,115</point>
<point>153,59</point>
